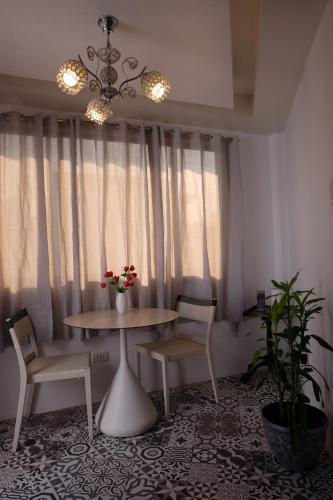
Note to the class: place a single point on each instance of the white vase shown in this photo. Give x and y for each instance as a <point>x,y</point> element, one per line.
<point>121,303</point>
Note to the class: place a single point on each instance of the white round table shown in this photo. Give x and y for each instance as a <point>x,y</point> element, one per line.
<point>126,410</point>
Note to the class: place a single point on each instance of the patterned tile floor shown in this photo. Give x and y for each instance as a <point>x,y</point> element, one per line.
<point>205,451</point>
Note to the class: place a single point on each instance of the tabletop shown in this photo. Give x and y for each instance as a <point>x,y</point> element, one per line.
<point>110,319</point>
<point>254,312</point>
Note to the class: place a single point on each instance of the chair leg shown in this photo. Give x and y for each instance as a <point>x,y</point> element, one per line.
<point>165,373</point>
<point>212,376</point>
<point>138,365</point>
<point>19,415</point>
<point>87,381</point>
<point>30,398</point>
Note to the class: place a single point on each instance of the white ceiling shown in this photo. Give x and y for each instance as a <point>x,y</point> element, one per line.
<point>187,40</point>
<point>233,64</point>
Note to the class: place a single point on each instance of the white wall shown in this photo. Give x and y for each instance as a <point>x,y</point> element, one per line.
<point>307,170</point>
<point>232,348</point>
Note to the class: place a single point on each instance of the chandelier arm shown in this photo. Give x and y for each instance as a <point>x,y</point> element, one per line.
<point>122,67</point>
<point>132,63</point>
<point>91,52</point>
<point>92,74</point>
<point>130,80</point>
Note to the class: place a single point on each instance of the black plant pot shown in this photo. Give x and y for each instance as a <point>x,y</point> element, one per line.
<point>311,442</point>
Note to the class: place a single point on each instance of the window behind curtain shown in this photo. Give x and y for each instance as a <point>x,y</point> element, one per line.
<point>77,200</point>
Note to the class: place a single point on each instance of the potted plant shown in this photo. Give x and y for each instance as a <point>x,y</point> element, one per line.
<point>295,429</point>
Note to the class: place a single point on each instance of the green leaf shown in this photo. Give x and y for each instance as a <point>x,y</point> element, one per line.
<point>257,355</point>
<point>280,286</point>
<point>303,349</point>
<point>314,301</point>
<point>293,332</point>
<point>308,369</point>
<point>277,309</point>
<point>315,386</point>
<point>316,390</point>
<point>293,280</point>
<point>321,375</point>
<point>313,310</point>
<point>297,299</point>
<point>254,367</point>
<point>322,342</point>
<point>307,293</point>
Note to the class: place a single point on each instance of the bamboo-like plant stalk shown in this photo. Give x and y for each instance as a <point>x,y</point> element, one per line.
<point>291,311</point>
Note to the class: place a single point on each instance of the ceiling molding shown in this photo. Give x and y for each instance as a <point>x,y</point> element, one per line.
<point>271,40</point>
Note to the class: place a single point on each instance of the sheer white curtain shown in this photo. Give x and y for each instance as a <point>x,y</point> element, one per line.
<point>77,200</point>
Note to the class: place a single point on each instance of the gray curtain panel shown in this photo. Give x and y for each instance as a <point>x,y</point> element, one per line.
<point>77,200</point>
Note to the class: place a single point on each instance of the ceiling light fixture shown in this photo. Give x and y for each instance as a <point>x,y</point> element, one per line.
<point>73,76</point>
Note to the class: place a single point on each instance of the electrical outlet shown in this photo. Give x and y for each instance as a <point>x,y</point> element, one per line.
<point>100,357</point>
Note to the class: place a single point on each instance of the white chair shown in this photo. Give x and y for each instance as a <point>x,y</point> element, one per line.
<point>35,369</point>
<point>182,345</point>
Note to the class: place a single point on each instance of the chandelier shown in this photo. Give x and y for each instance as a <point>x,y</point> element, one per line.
<point>74,75</point>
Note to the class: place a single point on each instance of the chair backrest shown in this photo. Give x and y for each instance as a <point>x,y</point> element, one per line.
<point>20,327</point>
<point>197,310</point>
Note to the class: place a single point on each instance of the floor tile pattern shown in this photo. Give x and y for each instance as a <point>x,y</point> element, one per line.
<point>204,451</point>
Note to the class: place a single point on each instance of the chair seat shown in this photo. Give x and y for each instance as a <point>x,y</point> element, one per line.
<point>172,349</point>
<point>48,368</point>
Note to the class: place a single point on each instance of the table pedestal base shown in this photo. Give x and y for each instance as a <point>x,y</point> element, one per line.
<point>126,409</point>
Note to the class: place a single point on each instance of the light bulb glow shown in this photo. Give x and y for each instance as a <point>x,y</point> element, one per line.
<point>70,78</point>
<point>99,110</point>
<point>155,86</point>
<point>158,91</point>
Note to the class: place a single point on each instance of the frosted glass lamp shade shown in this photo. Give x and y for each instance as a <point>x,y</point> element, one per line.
<point>99,110</point>
<point>155,86</point>
<point>72,77</point>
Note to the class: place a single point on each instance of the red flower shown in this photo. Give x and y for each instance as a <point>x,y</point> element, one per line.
<point>123,281</point>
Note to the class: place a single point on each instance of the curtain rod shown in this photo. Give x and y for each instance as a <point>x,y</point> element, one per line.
<point>131,125</point>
